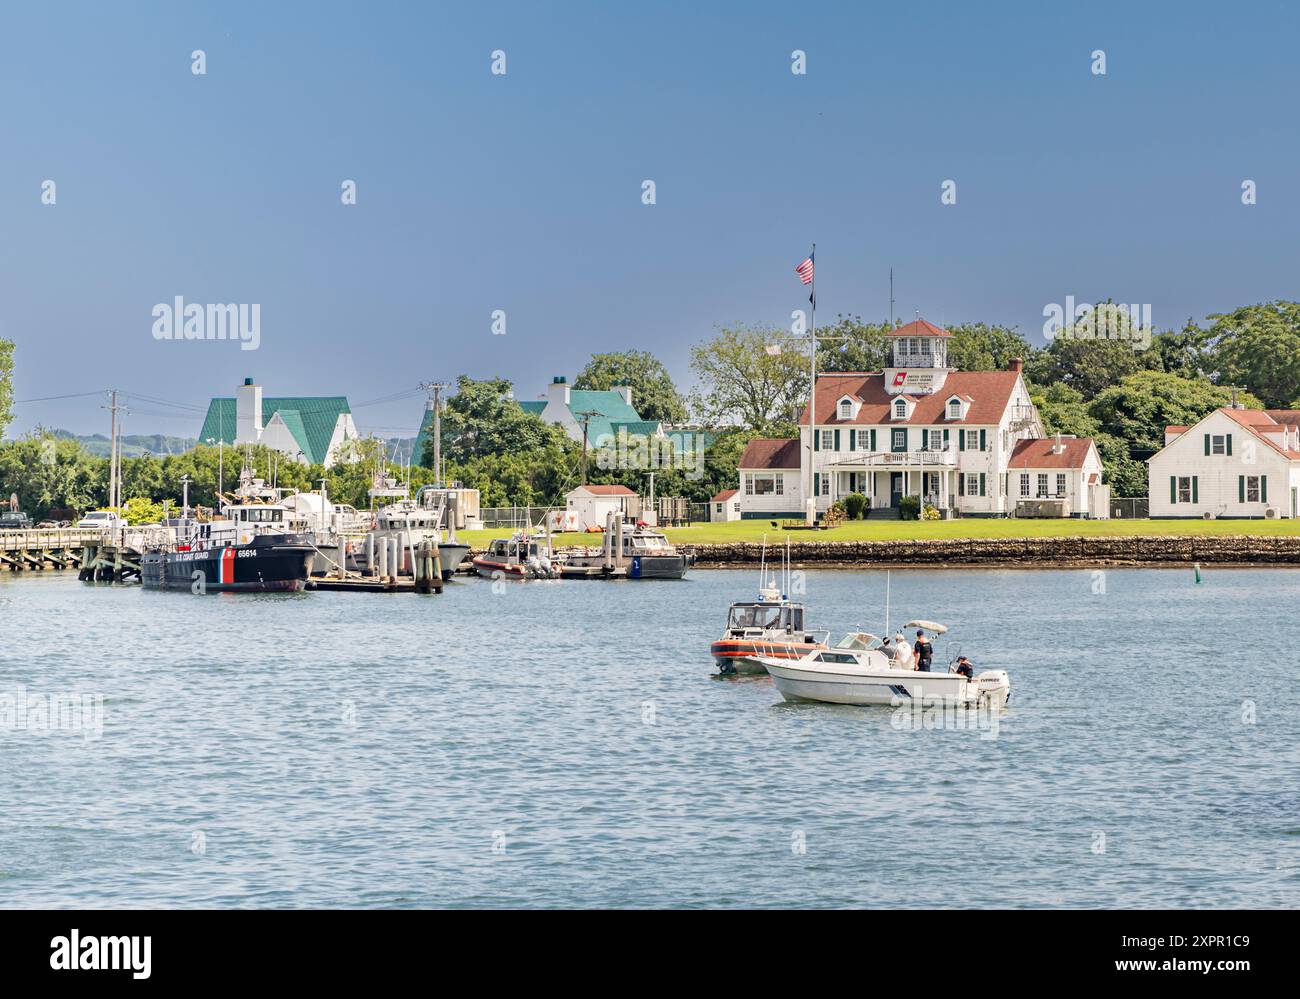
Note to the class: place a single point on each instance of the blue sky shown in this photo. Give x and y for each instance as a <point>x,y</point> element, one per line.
<point>523,192</point>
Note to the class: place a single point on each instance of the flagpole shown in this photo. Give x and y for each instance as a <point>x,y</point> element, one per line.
<point>811,511</point>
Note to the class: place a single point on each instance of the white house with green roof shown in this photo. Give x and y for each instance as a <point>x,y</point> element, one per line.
<point>308,429</point>
<point>605,412</point>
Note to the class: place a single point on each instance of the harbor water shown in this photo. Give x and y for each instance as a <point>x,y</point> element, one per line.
<point>569,744</point>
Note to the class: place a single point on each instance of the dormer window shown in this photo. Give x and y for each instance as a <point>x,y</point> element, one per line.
<point>954,409</point>
<point>846,409</point>
<point>900,409</point>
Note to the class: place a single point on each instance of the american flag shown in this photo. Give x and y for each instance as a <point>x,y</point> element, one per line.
<point>805,270</point>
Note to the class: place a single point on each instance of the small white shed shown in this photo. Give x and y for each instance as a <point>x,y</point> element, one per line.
<point>591,505</point>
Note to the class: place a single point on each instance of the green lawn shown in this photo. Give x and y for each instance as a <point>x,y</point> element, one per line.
<point>894,530</point>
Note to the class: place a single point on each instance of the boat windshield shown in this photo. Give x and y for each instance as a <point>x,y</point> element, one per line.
<point>765,616</point>
<point>857,641</point>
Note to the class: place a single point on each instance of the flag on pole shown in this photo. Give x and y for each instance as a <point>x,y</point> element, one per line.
<point>805,270</point>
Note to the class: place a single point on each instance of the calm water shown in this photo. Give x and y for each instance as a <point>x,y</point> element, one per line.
<point>491,749</point>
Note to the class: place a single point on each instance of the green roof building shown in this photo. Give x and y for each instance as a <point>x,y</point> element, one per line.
<point>309,429</point>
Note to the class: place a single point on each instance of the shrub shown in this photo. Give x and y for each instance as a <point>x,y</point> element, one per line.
<point>854,505</point>
<point>930,513</point>
<point>909,508</point>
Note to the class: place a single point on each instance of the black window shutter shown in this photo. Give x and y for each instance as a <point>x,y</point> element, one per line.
<point>1229,444</point>
<point>1241,489</point>
<point>853,440</point>
<point>1195,481</point>
<point>961,439</point>
<point>1173,489</point>
<point>983,441</point>
<point>981,483</point>
<point>961,484</point>
<point>1263,488</point>
<point>1207,443</point>
<point>837,438</point>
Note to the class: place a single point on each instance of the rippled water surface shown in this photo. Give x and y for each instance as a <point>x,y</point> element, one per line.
<point>566,744</point>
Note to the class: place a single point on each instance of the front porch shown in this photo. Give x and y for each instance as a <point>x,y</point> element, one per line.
<point>886,477</point>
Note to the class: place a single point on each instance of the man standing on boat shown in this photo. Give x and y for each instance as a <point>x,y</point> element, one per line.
<point>924,652</point>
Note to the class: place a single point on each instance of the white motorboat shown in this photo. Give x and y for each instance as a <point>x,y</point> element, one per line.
<point>862,669</point>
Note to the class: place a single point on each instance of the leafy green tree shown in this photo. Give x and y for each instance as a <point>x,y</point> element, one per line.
<point>980,347</point>
<point>139,510</point>
<point>853,345</point>
<point>1087,366</point>
<point>1188,352</point>
<point>482,420</point>
<point>1138,409</point>
<point>1259,347</point>
<point>1063,410</point>
<point>654,395</point>
<point>51,474</point>
<point>6,384</point>
<point>748,375</point>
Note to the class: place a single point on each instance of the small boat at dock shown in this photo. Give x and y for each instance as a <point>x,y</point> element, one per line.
<point>635,552</point>
<point>521,556</point>
<point>247,549</point>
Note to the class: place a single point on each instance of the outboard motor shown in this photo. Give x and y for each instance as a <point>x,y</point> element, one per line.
<point>994,687</point>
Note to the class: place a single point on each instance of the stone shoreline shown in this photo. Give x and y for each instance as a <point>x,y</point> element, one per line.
<point>1020,553</point>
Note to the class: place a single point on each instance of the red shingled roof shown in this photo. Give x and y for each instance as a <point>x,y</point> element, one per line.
<point>769,452</point>
<point>1038,453</point>
<point>989,392</point>
<point>919,327</point>
<point>1288,416</point>
<point>725,495</point>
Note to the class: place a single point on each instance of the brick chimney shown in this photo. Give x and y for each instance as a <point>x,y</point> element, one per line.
<point>1017,364</point>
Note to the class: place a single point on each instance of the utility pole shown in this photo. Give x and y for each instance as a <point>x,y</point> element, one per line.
<point>585,416</point>
<point>436,388</point>
<point>185,501</point>
<point>114,458</point>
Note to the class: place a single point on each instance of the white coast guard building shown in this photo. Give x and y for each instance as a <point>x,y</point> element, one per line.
<point>1234,463</point>
<point>969,443</point>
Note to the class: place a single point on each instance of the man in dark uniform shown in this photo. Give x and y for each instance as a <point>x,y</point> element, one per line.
<point>964,667</point>
<point>924,651</point>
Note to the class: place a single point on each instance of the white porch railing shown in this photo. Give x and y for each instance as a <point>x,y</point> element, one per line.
<point>895,460</point>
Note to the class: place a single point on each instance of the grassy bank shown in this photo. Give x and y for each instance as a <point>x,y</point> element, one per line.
<point>915,530</point>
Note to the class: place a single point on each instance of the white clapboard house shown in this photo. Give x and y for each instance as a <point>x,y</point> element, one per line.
<point>960,441</point>
<point>1233,463</point>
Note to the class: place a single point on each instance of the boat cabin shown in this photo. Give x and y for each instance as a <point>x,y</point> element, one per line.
<point>503,548</point>
<point>765,617</point>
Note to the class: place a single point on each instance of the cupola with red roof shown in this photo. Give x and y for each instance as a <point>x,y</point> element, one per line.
<point>918,358</point>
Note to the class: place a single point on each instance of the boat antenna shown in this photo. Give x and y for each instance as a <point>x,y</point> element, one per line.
<point>762,568</point>
<point>786,589</point>
<point>886,603</point>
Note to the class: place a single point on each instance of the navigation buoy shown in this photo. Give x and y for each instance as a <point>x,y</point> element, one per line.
<point>1197,569</point>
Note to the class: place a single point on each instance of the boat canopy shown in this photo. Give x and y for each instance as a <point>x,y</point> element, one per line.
<point>934,626</point>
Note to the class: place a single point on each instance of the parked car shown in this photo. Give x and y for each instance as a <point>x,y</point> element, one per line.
<point>14,520</point>
<point>103,519</point>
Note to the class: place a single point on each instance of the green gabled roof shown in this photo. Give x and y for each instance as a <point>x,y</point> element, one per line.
<point>313,427</point>
<point>426,428</point>
<point>609,404</point>
<point>634,428</point>
<point>533,407</point>
<point>293,420</point>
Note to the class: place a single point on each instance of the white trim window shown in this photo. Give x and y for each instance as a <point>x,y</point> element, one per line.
<point>1042,485</point>
<point>1024,484</point>
<point>900,409</point>
<point>1252,488</point>
<point>1185,489</point>
<point>826,483</point>
<point>780,483</point>
<point>767,483</point>
<point>846,409</point>
<point>828,440</point>
<point>1218,444</point>
<point>1060,483</point>
<point>900,440</point>
<point>736,506</point>
<point>749,484</point>
<point>972,483</point>
<point>954,409</point>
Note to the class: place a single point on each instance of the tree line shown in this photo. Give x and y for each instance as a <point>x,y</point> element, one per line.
<point>750,381</point>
